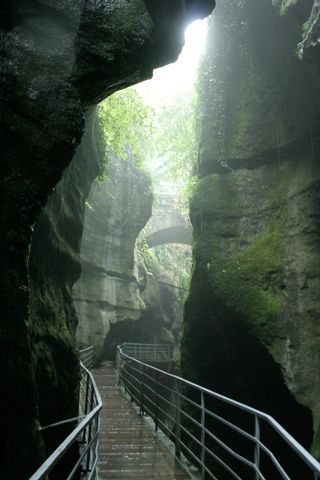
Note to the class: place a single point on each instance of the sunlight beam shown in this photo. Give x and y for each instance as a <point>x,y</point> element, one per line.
<point>179,77</point>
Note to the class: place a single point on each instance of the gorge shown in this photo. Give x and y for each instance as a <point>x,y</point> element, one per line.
<point>251,320</point>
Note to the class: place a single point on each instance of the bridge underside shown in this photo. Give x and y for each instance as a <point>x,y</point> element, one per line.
<point>177,234</point>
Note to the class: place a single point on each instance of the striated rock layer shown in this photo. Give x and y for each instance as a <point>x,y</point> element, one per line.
<point>118,296</point>
<point>251,321</point>
<point>107,291</point>
<point>54,266</point>
<point>56,59</point>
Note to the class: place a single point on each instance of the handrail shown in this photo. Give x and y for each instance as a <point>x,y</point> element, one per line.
<point>185,413</point>
<point>149,352</point>
<point>85,433</point>
<point>86,356</point>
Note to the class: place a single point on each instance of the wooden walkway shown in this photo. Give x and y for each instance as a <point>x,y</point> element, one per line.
<point>129,449</point>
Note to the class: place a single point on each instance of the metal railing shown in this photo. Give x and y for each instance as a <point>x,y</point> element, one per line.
<point>84,435</point>
<point>86,357</point>
<point>149,352</point>
<point>224,438</point>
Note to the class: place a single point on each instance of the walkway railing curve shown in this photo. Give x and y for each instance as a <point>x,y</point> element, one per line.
<point>85,434</point>
<point>149,352</point>
<point>198,421</point>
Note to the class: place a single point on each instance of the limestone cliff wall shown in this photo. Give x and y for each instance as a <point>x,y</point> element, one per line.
<point>118,296</point>
<point>255,212</point>
<point>57,58</point>
<point>54,266</point>
<point>107,291</point>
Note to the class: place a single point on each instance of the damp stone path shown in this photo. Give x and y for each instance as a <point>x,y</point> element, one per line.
<point>129,449</point>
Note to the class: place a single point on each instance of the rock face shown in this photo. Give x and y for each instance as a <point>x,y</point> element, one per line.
<point>56,59</point>
<point>54,266</point>
<point>107,291</point>
<point>254,295</point>
<point>120,295</point>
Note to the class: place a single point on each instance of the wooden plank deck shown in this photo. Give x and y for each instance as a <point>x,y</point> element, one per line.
<point>129,449</point>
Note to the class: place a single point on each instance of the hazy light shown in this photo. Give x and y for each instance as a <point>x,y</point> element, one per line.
<point>178,77</point>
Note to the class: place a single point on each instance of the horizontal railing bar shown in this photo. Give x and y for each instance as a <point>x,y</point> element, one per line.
<point>196,440</point>
<point>64,447</point>
<point>86,349</point>
<point>94,467</point>
<point>60,451</point>
<point>239,457</point>
<point>198,461</point>
<point>239,430</point>
<point>257,472</point>
<point>228,449</point>
<point>296,447</point>
<point>133,386</point>
<point>214,455</point>
<point>148,345</point>
<point>62,422</point>
<point>83,454</point>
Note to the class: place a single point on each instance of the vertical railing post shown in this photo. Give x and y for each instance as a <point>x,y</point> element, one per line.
<point>142,391</point>
<point>257,446</point>
<point>86,401</point>
<point>178,420</point>
<point>90,356</point>
<point>87,394</point>
<point>156,413</point>
<point>118,366</point>
<point>90,431</point>
<point>203,435</point>
<point>96,443</point>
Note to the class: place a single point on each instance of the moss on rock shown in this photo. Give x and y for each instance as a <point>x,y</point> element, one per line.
<point>244,267</point>
<point>254,292</point>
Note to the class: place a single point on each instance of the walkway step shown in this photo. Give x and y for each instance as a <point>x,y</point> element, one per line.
<point>129,449</point>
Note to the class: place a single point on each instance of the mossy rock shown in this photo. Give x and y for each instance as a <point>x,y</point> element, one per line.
<point>315,449</point>
<point>243,266</point>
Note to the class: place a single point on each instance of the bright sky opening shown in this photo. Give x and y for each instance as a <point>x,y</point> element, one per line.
<point>177,77</point>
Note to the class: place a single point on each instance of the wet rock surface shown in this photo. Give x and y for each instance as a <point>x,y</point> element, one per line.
<point>255,214</point>
<point>57,58</point>
<point>107,291</point>
<point>121,294</point>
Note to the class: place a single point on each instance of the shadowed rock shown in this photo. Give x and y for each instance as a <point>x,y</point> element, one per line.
<point>57,58</point>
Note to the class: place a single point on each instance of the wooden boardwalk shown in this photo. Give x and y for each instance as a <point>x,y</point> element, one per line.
<point>129,449</point>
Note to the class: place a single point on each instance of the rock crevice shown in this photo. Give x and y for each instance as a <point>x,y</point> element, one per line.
<point>57,58</point>
<point>255,214</point>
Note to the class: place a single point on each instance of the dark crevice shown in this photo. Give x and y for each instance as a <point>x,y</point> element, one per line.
<point>220,353</point>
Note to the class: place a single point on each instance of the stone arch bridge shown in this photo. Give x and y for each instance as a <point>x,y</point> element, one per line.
<point>167,224</point>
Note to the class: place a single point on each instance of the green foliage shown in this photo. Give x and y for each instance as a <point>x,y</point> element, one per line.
<point>284,6</point>
<point>174,143</point>
<point>147,263</point>
<point>167,138</point>
<point>250,280</point>
<point>177,260</point>
<point>126,123</point>
<point>306,30</point>
<point>169,263</point>
<point>244,271</point>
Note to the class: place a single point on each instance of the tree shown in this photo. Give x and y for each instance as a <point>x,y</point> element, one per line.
<point>174,144</point>
<point>126,123</point>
